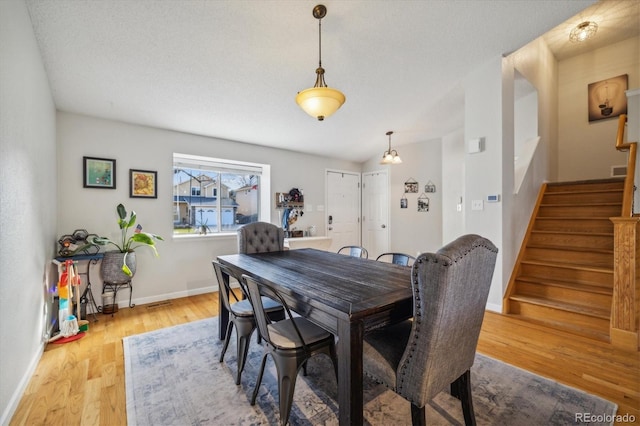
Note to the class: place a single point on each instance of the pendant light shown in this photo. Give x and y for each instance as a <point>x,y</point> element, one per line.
<point>390,156</point>
<point>320,101</point>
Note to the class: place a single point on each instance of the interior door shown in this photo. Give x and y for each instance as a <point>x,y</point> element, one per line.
<point>343,209</point>
<point>375,213</point>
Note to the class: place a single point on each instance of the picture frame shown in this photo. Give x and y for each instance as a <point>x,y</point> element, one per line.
<point>423,203</point>
<point>606,98</point>
<point>403,202</point>
<point>98,173</point>
<point>143,183</point>
<point>410,186</point>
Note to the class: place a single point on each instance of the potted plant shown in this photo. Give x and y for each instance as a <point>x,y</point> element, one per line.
<point>119,266</point>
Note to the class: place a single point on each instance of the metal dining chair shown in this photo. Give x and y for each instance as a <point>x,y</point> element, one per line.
<point>354,251</point>
<point>290,342</point>
<point>241,315</point>
<point>418,358</point>
<point>396,258</point>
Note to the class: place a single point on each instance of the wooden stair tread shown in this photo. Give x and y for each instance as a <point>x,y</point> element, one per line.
<point>591,311</point>
<point>573,218</point>
<point>584,205</point>
<point>566,265</point>
<point>582,331</point>
<point>566,284</point>
<point>542,231</point>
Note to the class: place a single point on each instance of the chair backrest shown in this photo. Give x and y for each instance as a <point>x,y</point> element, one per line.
<point>355,251</point>
<point>256,290</point>
<point>450,289</point>
<point>224,284</point>
<point>260,237</point>
<point>397,258</point>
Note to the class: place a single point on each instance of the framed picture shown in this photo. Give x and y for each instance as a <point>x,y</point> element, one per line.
<point>607,98</point>
<point>423,203</point>
<point>143,184</point>
<point>98,173</point>
<point>410,186</point>
<point>403,202</point>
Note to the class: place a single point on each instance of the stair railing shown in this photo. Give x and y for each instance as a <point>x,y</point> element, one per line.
<point>625,304</point>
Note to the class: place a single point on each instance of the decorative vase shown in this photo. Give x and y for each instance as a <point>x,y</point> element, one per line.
<point>111,267</point>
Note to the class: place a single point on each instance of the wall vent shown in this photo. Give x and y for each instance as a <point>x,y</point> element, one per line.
<point>618,171</point>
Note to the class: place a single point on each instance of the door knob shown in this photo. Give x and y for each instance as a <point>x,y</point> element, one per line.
<point>383,226</point>
<point>330,228</point>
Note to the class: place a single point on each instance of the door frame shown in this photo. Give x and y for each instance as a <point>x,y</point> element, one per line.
<point>388,206</point>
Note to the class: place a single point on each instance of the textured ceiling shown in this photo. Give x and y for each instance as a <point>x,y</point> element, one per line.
<point>231,69</point>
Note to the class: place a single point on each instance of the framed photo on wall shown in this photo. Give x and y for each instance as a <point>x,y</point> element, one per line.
<point>607,98</point>
<point>143,184</point>
<point>98,173</point>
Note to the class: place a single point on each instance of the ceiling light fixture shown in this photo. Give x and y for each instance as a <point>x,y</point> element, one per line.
<point>390,156</point>
<point>320,101</point>
<point>583,32</point>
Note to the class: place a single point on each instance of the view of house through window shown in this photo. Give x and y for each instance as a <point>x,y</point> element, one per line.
<point>212,195</point>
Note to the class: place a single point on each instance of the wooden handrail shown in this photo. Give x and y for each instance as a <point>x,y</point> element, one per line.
<point>627,200</point>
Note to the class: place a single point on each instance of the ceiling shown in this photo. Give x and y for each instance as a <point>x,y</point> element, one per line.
<point>231,69</point>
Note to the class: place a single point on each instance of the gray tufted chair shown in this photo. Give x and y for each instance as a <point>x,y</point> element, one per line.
<point>260,237</point>
<point>421,357</point>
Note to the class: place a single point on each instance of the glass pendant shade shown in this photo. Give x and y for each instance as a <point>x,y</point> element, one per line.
<point>320,102</point>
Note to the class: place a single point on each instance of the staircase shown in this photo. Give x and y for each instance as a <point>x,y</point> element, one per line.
<point>564,275</point>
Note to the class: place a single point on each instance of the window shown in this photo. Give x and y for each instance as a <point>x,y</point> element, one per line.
<point>212,195</point>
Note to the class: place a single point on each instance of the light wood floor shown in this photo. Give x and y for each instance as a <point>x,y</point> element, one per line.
<point>82,382</point>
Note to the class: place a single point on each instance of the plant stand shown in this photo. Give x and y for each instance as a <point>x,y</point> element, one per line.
<point>114,287</point>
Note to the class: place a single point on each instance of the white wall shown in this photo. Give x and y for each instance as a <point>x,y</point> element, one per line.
<point>184,266</point>
<point>27,202</point>
<point>576,132</point>
<point>453,177</point>
<point>411,231</point>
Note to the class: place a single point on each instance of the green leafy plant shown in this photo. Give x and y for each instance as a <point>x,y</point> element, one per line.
<point>128,243</point>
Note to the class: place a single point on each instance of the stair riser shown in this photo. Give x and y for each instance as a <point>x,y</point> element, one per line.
<point>581,276</point>
<point>586,186</point>
<point>559,240</point>
<point>565,294</point>
<point>578,323</point>
<point>583,198</point>
<point>603,260</point>
<point>580,211</point>
<point>573,225</point>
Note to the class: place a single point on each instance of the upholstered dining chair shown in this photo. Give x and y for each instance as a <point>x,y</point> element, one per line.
<point>260,237</point>
<point>354,251</point>
<point>396,258</point>
<point>290,342</point>
<point>420,357</point>
<point>240,315</point>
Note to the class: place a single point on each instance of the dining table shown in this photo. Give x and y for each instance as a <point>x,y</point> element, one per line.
<point>347,296</point>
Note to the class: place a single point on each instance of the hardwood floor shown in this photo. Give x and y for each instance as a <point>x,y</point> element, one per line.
<point>82,382</point>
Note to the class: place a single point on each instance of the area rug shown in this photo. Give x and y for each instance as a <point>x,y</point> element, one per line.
<point>173,377</point>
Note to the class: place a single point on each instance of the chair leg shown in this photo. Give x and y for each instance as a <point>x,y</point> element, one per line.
<point>418,415</point>
<point>226,340</point>
<point>259,380</point>
<point>243,350</point>
<point>287,374</point>
<point>463,385</point>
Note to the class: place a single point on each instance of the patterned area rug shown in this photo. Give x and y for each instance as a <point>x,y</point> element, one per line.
<point>173,377</point>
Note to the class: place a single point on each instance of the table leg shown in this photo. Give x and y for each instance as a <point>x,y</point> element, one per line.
<point>223,314</point>
<point>350,394</point>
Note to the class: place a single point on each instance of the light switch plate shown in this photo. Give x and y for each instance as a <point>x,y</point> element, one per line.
<point>477,205</point>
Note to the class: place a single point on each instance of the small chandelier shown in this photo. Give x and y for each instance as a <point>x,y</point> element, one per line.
<point>583,32</point>
<point>390,156</point>
<point>320,101</point>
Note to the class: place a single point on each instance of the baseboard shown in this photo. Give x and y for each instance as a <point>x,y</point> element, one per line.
<point>494,307</point>
<point>124,302</point>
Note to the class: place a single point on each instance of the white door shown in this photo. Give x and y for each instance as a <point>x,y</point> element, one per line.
<point>375,213</point>
<point>343,209</point>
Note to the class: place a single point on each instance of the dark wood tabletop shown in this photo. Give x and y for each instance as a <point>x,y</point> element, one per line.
<point>348,296</point>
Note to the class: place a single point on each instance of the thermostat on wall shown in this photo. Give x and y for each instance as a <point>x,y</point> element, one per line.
<point>493,198</point>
